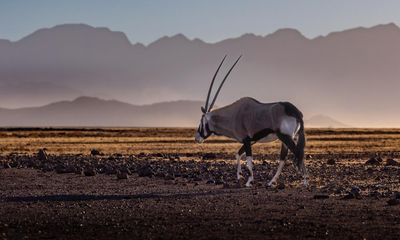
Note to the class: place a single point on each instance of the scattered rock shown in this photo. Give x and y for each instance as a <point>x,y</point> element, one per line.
<point>331,161</point>
<point>393,202</point>
<point>392,162</point>
<point>89,171</point>
<point>169,177</point>
<point>42,155</point>
<point>321,196</point>
<point>60,169</point>
<point>280,186</point>
<point>122,175</point>
<point>79,170</point>
<point>219,182</point>
<point>95,152</point>
<point>354,193</point>
<point>396,195</point>
<point>373,161</point>
<point>209,156</point>
<point>145,171</point>
<point>109,170</point>
<point>210,181</point>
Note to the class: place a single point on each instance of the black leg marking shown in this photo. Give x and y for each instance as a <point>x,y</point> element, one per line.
<point>261,134</point>
<point>287,140</point>
<point>247,146</point>
<point>241,150</point>
<point>284,152</point>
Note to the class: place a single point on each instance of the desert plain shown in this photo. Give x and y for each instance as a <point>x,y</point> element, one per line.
<point>157,183</point>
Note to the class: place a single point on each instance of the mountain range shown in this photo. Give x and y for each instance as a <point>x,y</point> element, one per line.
<point>351,75</point>
<point>96,112</point>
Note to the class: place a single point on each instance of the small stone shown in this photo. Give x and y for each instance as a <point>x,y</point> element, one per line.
<point>60,169</point>
<point>219,182</point>
<point>208,156</point>
<point>95,152</point>
<point>169,177</point>
<point>79,170</point>
<point>373,161</point>
<point>392,162</point>
<point>122,175</point>
<point>321,196</point>
<point>280,186</point>
<point>145,171</point>
<point>396,195</point>
<point>42,155</point>
<point>89,172</point>
<point>210,181</point>
<point>393,202</point>
<point>109,170</point>
<point>355,192</point>
<point>331,161</point>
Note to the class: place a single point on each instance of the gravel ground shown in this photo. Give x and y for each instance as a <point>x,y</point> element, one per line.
<point>163,196</point>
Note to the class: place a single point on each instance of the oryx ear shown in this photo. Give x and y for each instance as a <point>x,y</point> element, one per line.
<point>203,109</point>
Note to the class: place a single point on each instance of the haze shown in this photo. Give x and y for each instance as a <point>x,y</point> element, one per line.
<point>350,74</point>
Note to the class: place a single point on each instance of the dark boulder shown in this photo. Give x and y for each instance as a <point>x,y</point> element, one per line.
<point>42,155</point>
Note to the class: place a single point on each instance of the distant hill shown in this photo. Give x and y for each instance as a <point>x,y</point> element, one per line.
<point>353,73</point>
<point>322,121</point>
<point>96,112</point>
<point>90,111</point>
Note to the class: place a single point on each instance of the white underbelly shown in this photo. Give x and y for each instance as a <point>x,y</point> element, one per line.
<point>270,138</point>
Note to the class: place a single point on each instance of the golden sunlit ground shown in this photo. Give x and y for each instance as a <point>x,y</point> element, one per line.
<point>181,140</point>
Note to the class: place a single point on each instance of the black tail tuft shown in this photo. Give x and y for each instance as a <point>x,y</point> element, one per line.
<point>301,143</point>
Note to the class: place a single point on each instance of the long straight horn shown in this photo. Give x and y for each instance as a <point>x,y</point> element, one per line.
<point>212,83</point>
<point>222,83</point>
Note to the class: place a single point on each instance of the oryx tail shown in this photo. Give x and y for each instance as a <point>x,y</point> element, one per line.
<point>291,110</point>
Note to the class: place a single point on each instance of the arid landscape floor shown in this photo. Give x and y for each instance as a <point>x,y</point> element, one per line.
<point>157,184</point>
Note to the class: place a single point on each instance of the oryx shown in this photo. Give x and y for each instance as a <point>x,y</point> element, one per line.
<point>249,121</point>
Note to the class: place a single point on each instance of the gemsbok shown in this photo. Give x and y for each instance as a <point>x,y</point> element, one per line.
<point>249,121</point>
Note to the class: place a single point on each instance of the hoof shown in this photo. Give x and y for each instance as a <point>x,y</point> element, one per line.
<point>239,176</point>
<point>305,183</point>
<point>248,184</point>
<point>272,184</point>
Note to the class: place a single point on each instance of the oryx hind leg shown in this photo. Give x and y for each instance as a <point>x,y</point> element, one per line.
<point>290,144</point>
<point>282,158</point>
<point>239,156</point>
<point>287,143</point>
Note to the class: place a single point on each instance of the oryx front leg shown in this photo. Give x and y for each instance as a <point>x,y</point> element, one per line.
<point>278,172</point>
<point>249,159</point>
<point>249,165</point>
<point>239,166</point>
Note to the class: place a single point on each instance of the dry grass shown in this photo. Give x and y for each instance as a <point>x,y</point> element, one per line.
<point>180,140</point>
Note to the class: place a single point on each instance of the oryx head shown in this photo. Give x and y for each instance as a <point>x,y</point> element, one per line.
<point>204,131</point>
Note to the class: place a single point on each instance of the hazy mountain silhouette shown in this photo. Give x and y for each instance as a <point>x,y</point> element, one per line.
<point>324,121</point>
<point>91,111</point>
<point>351,75</point>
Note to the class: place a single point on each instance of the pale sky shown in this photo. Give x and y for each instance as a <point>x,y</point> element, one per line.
<point>211,20</point>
